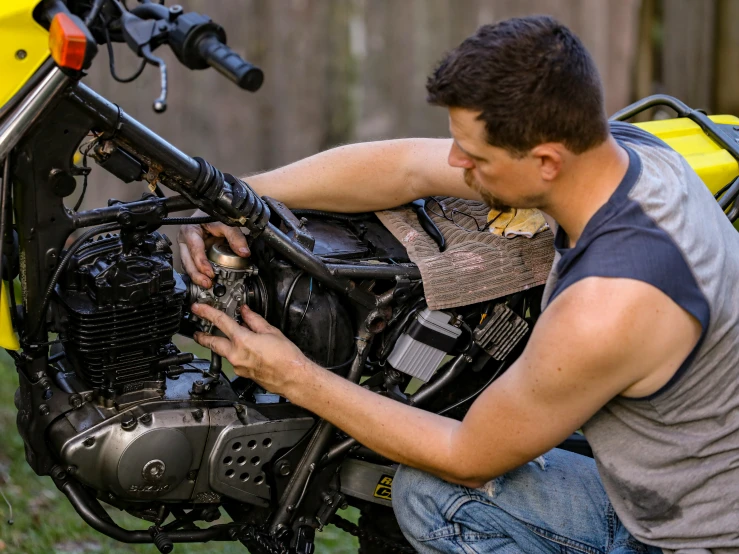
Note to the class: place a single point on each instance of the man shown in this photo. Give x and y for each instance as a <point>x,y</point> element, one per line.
<point>636,346</point>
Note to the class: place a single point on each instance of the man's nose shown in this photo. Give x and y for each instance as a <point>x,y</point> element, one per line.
<point>457,158</point>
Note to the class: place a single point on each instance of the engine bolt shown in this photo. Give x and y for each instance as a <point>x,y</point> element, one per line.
<point>128,422</point>
<point>89,441</point>
<point>71,470</point>
<point>283,468</point>
<point>192,475</point>
<point>43,409</point>
<point>281,530</point>
<point>21,54</point>
<point>145,419</point>
<point>75,401</point>
<point>197,414</point>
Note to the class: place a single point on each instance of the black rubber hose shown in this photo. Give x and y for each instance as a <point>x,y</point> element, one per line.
<point>63,264</point>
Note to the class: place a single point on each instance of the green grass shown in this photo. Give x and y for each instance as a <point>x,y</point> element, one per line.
<point>45,522</point>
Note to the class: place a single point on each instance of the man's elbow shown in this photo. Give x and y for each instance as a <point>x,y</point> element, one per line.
<point>471,480</point>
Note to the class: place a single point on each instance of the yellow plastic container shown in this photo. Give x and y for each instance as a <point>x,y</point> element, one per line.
<point>712,163</point>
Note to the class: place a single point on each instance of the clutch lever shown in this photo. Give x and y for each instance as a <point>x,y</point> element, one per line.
<point>428,224</point>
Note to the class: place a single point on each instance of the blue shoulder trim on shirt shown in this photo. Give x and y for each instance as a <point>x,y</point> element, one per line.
<point>626,132</point>
<point>622,241</point>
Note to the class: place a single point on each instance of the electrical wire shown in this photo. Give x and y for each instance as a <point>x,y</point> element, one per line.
<point>84,183</point>
<point>286,307</point>
<point>476,393</point>
<point>111,61</point>
<point>342,365</point>
<point>94,12</point>
<point>310,294</point>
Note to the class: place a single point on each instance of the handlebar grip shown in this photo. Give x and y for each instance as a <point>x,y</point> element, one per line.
<point>227,62</point>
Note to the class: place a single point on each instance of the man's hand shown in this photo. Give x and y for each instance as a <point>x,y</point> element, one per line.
<point>193,241</point>
<point>257,350</point>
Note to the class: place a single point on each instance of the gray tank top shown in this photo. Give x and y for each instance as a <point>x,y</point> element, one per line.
<point>669,462</point>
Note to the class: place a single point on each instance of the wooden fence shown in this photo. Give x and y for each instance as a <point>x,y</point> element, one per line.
<point>337,71</point>
<point>348,70</point>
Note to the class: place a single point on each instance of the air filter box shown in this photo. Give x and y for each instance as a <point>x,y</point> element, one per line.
<point>420,350</point>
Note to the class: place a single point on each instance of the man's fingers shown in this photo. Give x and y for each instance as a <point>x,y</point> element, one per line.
<point>254,321</point>
<point>237,241</point>
<point>233,235</point>
<point>219,345</point>
<point>190,268</point>
<point>192,235</point>
<point>227,325</point>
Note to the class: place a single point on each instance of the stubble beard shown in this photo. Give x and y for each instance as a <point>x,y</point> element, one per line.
<point>492,202</point>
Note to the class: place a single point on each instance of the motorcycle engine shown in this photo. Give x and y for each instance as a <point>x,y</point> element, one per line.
<point>146,420</point>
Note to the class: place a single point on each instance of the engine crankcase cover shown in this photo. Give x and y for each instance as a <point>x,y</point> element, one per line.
<point>141,454</point>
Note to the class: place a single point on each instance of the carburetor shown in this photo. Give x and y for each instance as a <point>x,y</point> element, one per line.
<point>236,283</point>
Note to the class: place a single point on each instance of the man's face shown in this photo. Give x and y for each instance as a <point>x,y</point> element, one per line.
<point>502,180</point>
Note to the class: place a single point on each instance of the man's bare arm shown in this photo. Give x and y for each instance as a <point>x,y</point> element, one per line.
<point>360,177</point>
<point>366,177</point>
<point>594,342</point>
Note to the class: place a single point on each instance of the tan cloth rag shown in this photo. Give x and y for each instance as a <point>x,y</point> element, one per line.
<point>477,265</point>
<point>517,222</point>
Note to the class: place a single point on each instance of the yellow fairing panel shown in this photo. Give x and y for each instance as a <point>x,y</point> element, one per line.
<point>8,339</point>
<point>713,164</point>
<point>24,45</point>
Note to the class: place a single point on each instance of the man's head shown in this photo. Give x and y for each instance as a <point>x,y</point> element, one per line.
<point>523,95</point>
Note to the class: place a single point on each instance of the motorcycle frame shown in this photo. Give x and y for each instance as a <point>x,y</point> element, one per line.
<point>39,137</point>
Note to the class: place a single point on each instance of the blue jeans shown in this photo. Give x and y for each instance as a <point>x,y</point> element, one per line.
<point>555,504</point>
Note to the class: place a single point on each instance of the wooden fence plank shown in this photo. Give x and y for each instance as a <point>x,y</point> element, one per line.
<point>688,50</point>
<point>727,58</point>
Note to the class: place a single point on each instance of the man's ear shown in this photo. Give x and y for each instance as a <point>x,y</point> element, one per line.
<point>550,159</point>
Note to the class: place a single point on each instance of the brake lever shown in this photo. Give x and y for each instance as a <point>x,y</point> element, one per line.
<point>143,36</point>
<point>160,104</point>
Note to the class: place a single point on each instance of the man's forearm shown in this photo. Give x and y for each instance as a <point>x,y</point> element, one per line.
<point>365,177</point>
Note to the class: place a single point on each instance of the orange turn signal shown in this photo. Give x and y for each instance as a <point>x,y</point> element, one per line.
<point>67,42</point>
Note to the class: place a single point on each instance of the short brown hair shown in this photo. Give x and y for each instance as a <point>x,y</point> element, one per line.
<point>533,82</point>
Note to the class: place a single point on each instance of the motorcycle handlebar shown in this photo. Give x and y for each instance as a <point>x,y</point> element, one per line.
<point>228,63</point>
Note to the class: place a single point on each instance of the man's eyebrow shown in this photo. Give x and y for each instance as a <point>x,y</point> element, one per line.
<point>465,151</point>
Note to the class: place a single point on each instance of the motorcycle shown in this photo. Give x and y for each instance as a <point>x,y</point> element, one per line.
<point>110,408</point>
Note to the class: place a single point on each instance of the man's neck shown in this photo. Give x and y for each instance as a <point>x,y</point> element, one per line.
<point>590,181</point>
